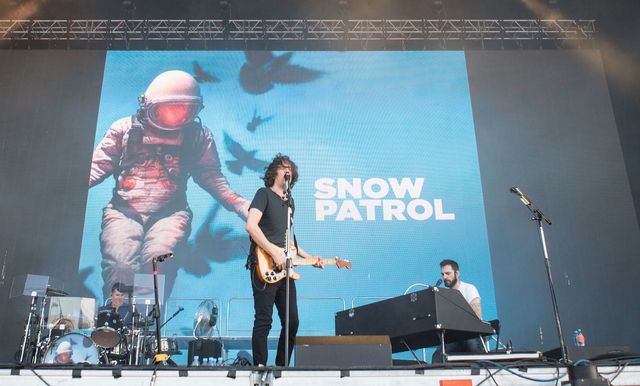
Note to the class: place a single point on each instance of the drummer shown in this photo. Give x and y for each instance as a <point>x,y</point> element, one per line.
<point>119,292</point>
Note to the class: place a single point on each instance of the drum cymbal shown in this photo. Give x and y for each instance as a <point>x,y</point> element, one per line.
<point>67,323</point>
<point>55,292</point>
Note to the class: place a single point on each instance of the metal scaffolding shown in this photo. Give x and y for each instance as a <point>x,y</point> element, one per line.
<point>296,30</point>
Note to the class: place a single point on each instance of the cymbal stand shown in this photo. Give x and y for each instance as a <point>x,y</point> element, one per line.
<point>143,330</point>
<point>27,329</point>
<point>41,327</point>
<point>134,331</point>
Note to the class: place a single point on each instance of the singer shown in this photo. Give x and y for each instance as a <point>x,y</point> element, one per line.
<point>267,226</point>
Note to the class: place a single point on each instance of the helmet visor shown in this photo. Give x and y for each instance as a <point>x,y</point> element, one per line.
<point>173,115</point>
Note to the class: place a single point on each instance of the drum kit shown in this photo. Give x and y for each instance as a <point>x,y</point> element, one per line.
<point>78,335</point>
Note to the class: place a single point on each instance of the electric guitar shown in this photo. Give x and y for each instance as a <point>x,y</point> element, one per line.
<point>269,274</point>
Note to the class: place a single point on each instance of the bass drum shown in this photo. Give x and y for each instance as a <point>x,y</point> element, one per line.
<point>72,348</point>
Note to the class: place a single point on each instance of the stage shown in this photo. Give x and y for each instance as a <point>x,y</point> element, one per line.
<point>516,373</point>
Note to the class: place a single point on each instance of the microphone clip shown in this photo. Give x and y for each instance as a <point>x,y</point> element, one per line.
<point>162,258</point>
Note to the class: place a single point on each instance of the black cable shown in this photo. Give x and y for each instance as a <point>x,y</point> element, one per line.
<point>154,375</point>
<point>500,366</point>
<point>489,376</point>
<point>622,369</point>
<point>39,376</point>
<point>253,274</point>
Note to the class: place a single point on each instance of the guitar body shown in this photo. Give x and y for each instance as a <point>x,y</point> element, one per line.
<point>268,273</point>
<point>266,269</point>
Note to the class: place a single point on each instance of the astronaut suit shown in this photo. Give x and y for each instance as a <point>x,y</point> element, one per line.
<point>151,155</point>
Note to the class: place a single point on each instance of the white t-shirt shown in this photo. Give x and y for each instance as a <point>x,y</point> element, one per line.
<point>469,291</point>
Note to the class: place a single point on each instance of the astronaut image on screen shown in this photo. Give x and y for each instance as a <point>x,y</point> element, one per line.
<point>151,156</point>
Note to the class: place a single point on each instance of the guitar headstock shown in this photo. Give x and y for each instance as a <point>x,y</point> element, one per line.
<point>342,263</point>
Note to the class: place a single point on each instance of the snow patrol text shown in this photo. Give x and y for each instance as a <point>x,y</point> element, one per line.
<point>389,199</point>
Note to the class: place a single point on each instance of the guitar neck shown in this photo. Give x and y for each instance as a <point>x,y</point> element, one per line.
<point>301,261</point>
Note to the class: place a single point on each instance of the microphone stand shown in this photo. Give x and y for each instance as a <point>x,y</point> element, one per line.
<point>160,356</point>
<point>538,217</point>
<point>172,316</point>
<point>287,240</point>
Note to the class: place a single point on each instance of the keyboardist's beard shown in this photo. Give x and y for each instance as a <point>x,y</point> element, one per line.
<point>451,283</point>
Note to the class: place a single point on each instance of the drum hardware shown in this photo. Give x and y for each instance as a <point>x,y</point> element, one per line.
<point>107,332</point>
<point>41,328</point>
<point>73,348</point>
<point>160,356</point>
<point>33,343</point>
<point>167,345</point>
<point>59,328</point>
<point>119,354</point>
<point>55,292</point>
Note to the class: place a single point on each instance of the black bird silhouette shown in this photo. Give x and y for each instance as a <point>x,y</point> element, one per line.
<point>244,158</point>
<point>201,75</point>
<point>212,244</point>
<point>257,121</point>
<point>263,70</point>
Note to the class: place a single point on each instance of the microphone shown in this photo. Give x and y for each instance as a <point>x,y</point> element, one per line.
<point>162,258</point>
<point>287,182</point>
<point>523,197</point>
<point>214,316</point>
<point>438,282</point>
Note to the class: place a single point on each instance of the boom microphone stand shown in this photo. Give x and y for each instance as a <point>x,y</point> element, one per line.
<point>287,240</point>
<point>538,216</point>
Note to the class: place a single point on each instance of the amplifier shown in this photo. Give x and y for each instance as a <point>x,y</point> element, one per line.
<point>343,351</point>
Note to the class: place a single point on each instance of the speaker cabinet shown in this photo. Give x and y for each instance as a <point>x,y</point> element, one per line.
<point>343,351</point>
<point>204,348</point>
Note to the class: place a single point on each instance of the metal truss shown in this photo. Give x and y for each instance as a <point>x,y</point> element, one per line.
<point>297,30</point>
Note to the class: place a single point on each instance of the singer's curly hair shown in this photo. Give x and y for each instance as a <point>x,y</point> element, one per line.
<point>271,171</point>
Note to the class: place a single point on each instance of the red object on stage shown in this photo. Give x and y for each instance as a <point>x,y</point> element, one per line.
<point>456,382</point>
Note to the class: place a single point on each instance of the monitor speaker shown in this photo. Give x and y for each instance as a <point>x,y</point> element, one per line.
<point>342,351</point>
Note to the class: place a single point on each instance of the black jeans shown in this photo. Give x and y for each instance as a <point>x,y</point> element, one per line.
<point>264,297</point>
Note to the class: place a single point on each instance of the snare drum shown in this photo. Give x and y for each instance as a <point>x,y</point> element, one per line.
<point>107,332</point>
<point>72,348</point>
<point>167,346</point>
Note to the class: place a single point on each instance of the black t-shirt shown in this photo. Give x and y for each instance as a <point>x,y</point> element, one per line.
<point>274,215</point>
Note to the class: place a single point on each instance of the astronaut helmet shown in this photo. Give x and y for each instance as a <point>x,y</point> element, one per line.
<point>171,102</point>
